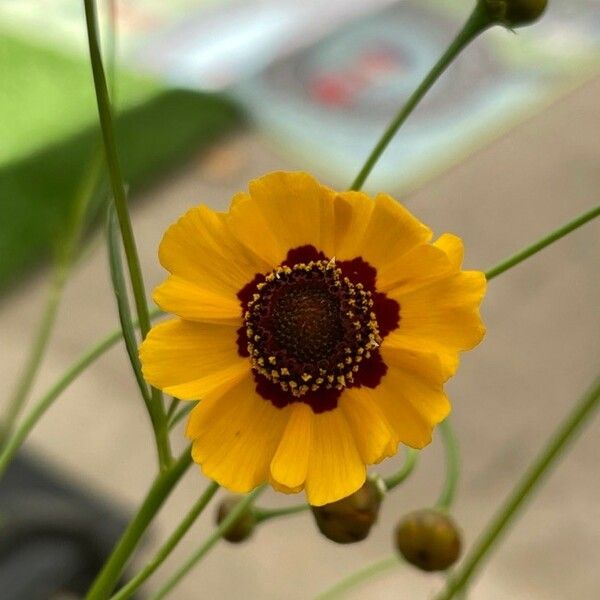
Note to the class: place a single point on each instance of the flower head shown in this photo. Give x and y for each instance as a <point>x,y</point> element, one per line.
<point>243,527</point>
<point>317,328</point>
<point>350,519</point>
<point>429,539</point>
<point>515,13</point>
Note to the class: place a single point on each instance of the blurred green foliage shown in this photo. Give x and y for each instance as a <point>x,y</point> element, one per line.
<point>49,132</point>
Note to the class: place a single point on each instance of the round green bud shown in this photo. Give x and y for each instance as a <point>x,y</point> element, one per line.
<point>429,540</point>
<point>349,520</point>
<point>243,527</point>
<point>515,13</point>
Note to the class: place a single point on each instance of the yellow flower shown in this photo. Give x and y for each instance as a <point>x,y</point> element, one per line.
<point>316,327</point>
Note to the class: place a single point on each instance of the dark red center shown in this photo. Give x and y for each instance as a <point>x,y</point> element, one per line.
<point>312,327</point>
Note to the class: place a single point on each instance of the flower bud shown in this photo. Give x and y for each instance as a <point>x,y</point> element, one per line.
<point>243,527</point>
<point>350,519</point>
<point>514,13</point>
<point>429,540</point>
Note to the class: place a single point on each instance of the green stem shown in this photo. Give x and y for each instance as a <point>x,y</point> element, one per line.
<point>22,431</point>
<point>543,243</point>
<point>25,383</point>
<point>410,462</point>
<point>114,168</point>
<point>476,24</point>
<point>163,444</point>
<point>264,514</point>
<point>167,548</point>
<point>62,269</point>
<point>17,438</point>
<point>172,408</point>
<point>163,484</point>
<point>180,414</point>
<point>566,433</point>
<point>121,208</point>
<point>122,299</point>
<point>208,544</point>
<point>359,577</point>
<point>64,262</point>
<point>448,493</point>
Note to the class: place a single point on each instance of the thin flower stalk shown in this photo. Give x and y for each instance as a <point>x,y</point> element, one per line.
<point>566,433</point>
<point>163,484</point>
<point>114,167</point>
<point>130,588</point>
<point>16,439</point>
<point>448,493</point>
<point>180,414</point>
<point>410,462</point>
<point>203,550</point>
<point>64,260</point>
<point>544,242</point>
<point>120,199</point>
<point>19,435</point>
<point>476,24</point>
<point>159,424</point>
<point>360,577</point>
<point>266,514</point>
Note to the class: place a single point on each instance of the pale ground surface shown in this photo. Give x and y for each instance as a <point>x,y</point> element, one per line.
<point>540,354</point>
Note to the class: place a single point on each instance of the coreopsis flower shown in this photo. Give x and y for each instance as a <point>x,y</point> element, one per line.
<point>317,329</point>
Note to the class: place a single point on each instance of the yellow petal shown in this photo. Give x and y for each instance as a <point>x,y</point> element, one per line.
<point>284,211</point>
<point>279,487</point>
<point>453,246</point>
<point>335,469</point>
<point>441,317</point>
<point>411,395</point>
<point>235,436</point>
<point>373,436</point>
<point>201,248</point>
<point>290,463</point>
<point>413,269</point>
<point>352,212</point>
<point>190,301</point>
<point>391,231</point>
<point>189,360</point>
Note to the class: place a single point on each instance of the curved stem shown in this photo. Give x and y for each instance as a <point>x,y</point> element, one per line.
<point>208,544</point>
<point>410,462</point>
<point>477,23</point>
<point>359,577</point>
<point>566,433</point>
<point>172,408</point>
<point>114,167</point>
<point>22,431</point>
<point>556,235</point>
<point>264,514</point>
<point>448,493</point>
<point>167,548</point>
<point>160,490</point>
<point>121,208</point>
<point>122,299</point>
<point>42,337</point>
<point>64,262</point>
<point>183,412</point>
<point>17,438</point>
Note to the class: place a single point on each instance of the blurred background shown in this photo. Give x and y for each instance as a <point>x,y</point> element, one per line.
<point>213,93</point>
